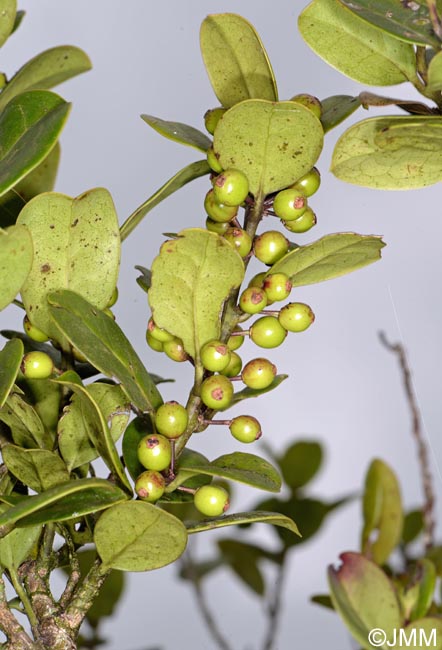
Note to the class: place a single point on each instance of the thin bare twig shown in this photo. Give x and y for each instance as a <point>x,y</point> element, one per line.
<point>275,606</point>
<point>423,455</point>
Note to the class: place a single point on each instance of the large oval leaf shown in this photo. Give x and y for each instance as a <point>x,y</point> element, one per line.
<point>179,132</point>
<point>138,536</point>
<point>273,144</point>
<point>16,255</point>
<point>408,21</point>
<point>39,469</point>
<point>104,344</point>
<point>27,429</point>
<point>365,598</point>
<point>76,246</point>
<point>10,360</point>
<point>29,128</point>
<point>390,153</point>
<point>354,47</point>
<point>235,60</point>
<point>191,279</point>
<point>255,517</point>
<point>8,10</point>
<point>46,70</point>
<point>329,257</point>
<point>383,514</point>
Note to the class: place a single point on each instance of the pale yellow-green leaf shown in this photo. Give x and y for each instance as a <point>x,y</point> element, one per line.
<point>435,73</point>
<point>16,254</point>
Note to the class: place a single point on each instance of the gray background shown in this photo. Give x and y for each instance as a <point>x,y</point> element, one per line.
<point>344,388</point>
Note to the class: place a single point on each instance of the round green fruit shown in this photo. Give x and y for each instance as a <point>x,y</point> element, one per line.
<point>158,333</point>
<point>215,356</point>
<point>213,161</point>
<point>234,367</point>
<point>154,343</point>
<point>150,485</point>
<point>219,227</point>
<point>175,350</point>
<point>240,240</point>
<point>267,332</point>
<point>218,211</point>
<point>310,102</point>
<point>171,419</point>
<point>253,300</point>
<point>270,247</point>
<point>113,298</point>
<point>258,373</point>
<point>212,117</point>
<point>245,428</point>
<point>309,183</point>
<point>211,500</point>
<point>290,204</point>
<point>154,452</point>
<point>302,224</point>
<point>296,317</point>
<point>33,332</point>
<point>277,286</point>
<point>37,365</point>
<point>217,392</point>
<point>235,342</point>
<point>231,187</point>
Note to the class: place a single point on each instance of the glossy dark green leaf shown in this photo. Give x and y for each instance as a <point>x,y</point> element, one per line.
<point>76,247</point>
<point>16,547</point>
<point>235,60</point>
<point>365,53</point>
<point>243,560</point>
<point>137,536</point>
<point>300,463</point>
<point>329,257</point>
<point>247,392</point>
<point>407,21</point>
<point>103,343</point>
<point>29,128</point>
<point>93,405</point>
<point>71,500</point>
<point>323,600</point>
<point>255,517</point>
<point>188,459</point>
<point>273,144</point>
<point>46,70</point>
<point>364,598</point>
<point>8,10</point>
<point>39,469</point>
<point>10,360</point>
<point>188,304</point>
<point>390,153</point>
<point>76,427</point>
<point>413,526</point>
<point>179,132</point>
<point>383,515</point>
<point>241,467</point>
<point>27,429</point>
<point>181,178</point>
<point>139,427</point>
<point>336,109</point>
<point>145,279</point>
<point>16,254</point>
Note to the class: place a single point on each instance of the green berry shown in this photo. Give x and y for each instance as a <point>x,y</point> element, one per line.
<point>215,356</point>
<point>154,452</point>
<point>258,280</point>
<point>270,247</point>
<point>267,332</point>
<point>158,333</point>
<point>33,332</point>
<point>212,117</point>
<point>234,367</point>
<point>302,224</point>
<point>310,102</point>
<point>218,211</point>
<point>217,392</point>
<point>277,286</point>
<point>113,298</point>
<point>290,204</point>
<point>240,240</point>
<point>258,373</point>
<point>154,343</point>
<point>211,500</point>
<point>37,365</point>
<point>253,300</point>
<point>231,187</point>
<point>175,350</point>
<point>213,161</point>
<point>296,317</point>
<point>309,183</point>
<point>171,419</point>
<point>235,342</point>
<point>245,428</point>
<point>215,226</point>
<point>150,485</point>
